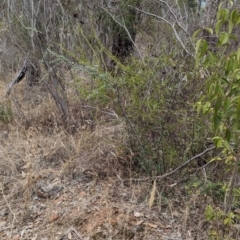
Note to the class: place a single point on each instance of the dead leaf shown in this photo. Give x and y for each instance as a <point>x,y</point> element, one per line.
<point>201,71</point>
<point>152,225</point>
<point>159,224</point>
<point>82,194</point>
<point>27,166</point>
<point>175,214</point>
<point>172,185</point>
<point>69,235</point>
<point>152,196</point>
<point>23,174</point>
<point>16,237</point>
<point>137,214</point>
<point>54,217</point>
<point>149,216</point>
<point>179,234</point>
<point>2,223</point>
<point>139,222</point>
<point>84,127</point>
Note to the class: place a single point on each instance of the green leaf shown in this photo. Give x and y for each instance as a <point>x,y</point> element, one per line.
<point>218,142</point>
<point>207,62</point>
<point>218,104</point>
<point>196,33</point>
<point>201,48</point>
<point>225,14</point>
<point>224,37</point>
<point>209,213</point>
<point>227,145</point>
<point>209,30</point>
<point>236,73</point>
<point>198,45</point>
<point>234,16</point>
<point>219,13</point>
<point>228,134</point>
<point>230,3</point>
<point>229,219</point>
<point>199,106</point>
<point>206,107</point>
<point>226,221</point>
<point>238,113</point>
<point>212,58</point>
<point>218,26</point>
<point>228,66</point>
<point>204,47</point>
<point>211,88</point>
<point>238,20</point>
<point>216,91</point>
<point>230,26</point>
<point>220,6</point>
<point>224,80</point>
<point>238,55</point>
<point>216,121</point>
<point>226,104</point>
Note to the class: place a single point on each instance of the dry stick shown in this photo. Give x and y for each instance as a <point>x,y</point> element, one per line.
<point>184,164</point>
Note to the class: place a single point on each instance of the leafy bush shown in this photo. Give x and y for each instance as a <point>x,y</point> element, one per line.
<point>221,101</point>
<point>156,104</point>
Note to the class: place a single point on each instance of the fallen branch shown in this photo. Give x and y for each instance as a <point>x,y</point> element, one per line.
<point>17,79</point>
<point>184,164</point>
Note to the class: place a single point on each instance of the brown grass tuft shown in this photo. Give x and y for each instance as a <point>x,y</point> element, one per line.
<point>99,151</point>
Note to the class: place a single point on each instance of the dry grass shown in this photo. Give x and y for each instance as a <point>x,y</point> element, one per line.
<point>36,138</point>
<point>53,180</point>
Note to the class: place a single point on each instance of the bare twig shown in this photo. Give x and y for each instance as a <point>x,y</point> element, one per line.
<point>184,164</point>
<point>177,22</point>
<point>173,28</point>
